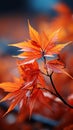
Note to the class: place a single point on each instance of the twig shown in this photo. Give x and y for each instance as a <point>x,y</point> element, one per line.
<point>57,93</point>
<point>62,99</point>
<point>49,91</point>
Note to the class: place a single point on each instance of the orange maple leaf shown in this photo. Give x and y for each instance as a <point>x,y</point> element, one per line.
<point>22,88</point>
<point>40,45</point>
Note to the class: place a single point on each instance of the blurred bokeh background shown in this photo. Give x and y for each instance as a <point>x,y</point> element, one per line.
<point>42,14</point>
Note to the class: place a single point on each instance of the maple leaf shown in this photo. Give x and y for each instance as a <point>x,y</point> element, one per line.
<point>57,66</point>
<point>15,94</point>
<point>21,89</point>
<point>31,74</point>
<point>40,45</point>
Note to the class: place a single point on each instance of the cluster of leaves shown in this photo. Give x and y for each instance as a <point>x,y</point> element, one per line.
<point>31,84</point>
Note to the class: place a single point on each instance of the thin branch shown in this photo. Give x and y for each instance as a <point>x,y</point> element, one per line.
<point>57,93</point>
<point>49,91</point>
<point>62,99</point>
<point>43,73</point>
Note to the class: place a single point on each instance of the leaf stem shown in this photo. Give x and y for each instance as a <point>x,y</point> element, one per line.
<point>45,65</point>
